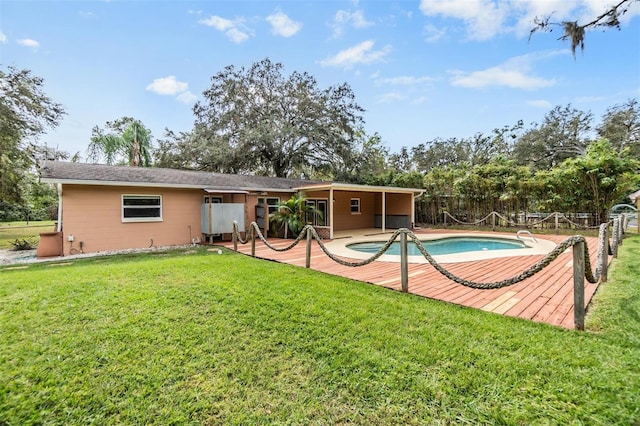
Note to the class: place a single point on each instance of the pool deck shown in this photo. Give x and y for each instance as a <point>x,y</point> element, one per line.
<point>546,297</point>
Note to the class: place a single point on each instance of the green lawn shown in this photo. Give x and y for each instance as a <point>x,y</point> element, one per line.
<point>194,337</point>
<point>10,231</point>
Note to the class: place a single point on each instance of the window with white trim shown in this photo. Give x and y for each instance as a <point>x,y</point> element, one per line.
<point>355,205</point>
<point>141,208</point>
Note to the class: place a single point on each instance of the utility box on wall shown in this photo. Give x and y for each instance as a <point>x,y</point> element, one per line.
<point>218,218</point>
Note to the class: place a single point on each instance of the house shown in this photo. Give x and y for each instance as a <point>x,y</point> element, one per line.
<point>105,207</point>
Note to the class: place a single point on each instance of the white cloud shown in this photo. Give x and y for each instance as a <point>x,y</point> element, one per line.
<point>171,86</point>
<point>27,42</point>
<point>515,73</point>
<point>485,19</point>
<point>220,24</point>
<point>405,80</point>
<point>236,35</point>
<point>282,25</point>
<point>362,53</point>
<point>433,33</point>
<point>391,97</point>
<point>3,38</point>
<point>187,97</point>
<point>420,100</point>
<point>87,15</point>
<point>167,86</point>
<point>540,103</point>
<point>235,30</point>
<point>345,18</point>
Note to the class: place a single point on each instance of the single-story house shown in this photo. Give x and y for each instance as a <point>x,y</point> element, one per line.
<point>105,207</point>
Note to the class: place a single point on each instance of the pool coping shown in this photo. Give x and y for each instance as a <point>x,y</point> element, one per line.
<point>540,246</point>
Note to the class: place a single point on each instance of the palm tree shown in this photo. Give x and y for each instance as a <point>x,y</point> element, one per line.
<point>294,213</point>
<point>131,145</point>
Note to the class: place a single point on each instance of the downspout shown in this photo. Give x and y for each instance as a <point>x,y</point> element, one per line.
<point>59,225</point>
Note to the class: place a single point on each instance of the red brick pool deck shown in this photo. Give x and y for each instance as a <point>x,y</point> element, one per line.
<point>545,297</point>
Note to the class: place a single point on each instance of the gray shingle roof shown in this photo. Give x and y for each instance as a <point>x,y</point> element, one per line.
<point>100,174</point>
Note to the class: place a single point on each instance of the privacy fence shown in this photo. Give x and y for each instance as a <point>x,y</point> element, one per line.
<point>582,268</point>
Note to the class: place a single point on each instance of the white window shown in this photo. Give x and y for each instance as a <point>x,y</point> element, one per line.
<point>355,205</point>
<point>142,208</point>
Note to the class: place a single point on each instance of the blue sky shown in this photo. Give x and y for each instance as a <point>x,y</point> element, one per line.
<point>420,69</point>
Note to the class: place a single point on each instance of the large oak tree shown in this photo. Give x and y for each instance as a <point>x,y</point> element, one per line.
<point>258,120</point>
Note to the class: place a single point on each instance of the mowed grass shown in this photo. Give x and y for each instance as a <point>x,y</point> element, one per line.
<point>12,231</point>
<point>194,337</point>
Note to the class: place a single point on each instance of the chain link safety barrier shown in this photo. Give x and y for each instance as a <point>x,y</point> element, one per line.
<point>591,276</point>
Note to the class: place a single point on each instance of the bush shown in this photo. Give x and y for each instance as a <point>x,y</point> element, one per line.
<point>23,244</point>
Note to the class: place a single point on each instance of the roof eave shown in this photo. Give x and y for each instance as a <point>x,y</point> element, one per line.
<point>356,187</point>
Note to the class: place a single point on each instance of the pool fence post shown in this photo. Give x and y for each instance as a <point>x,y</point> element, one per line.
<point>404,264</point>
<point>621,229</point>
<point>253,241</point>
<point>604,265</point>
<point>493,221</point>
<point>578,285</point>
<point>234,236</point>
<point>556,216</point>
<point>308,248</point>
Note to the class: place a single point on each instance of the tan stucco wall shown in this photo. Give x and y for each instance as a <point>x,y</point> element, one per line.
<point>342,215</point>
<point>92,214</point>
<point>397,204</point>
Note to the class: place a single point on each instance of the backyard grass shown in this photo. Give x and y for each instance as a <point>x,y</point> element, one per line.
<point>194,337</point>
<point>12,231</point>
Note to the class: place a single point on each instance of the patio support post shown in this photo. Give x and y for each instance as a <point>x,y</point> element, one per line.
<point>384,212</point>
<point>308,248</point>
<point>578,285</point>
<point>604,266</point>
<point>404,264</point>
<point>331,204</point>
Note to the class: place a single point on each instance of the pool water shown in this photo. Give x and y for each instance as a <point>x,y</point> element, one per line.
<point>450,245</point>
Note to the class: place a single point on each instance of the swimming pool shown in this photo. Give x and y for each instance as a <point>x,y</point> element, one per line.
<point>447,245</point>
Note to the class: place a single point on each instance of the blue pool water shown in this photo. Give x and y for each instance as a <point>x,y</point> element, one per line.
<point>449,245</point>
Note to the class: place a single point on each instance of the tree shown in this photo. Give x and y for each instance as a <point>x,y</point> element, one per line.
<point>602,176</point>
<point>575,32</point>
<point>621,126</point>
<point>275,125</point>
<point>294,214</point>
<point>25,114</point>
<point>125,140</point>
<point>366,159</point>
<point>563,134</point>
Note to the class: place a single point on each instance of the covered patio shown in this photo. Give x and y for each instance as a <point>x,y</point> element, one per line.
<point>349,207</point>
